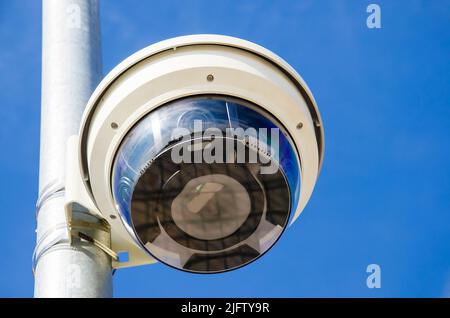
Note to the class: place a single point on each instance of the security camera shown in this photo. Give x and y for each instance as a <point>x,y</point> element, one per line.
<point>197,152</point>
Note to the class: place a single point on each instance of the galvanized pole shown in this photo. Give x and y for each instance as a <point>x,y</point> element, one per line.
<point>71,69</point>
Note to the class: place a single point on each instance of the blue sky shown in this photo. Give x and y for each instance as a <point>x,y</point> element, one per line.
<point>384,192</point>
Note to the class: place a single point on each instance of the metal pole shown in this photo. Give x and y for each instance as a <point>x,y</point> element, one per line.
<point>71,69</point>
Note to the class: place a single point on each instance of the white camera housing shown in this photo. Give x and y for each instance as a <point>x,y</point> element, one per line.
<point>170,70</point>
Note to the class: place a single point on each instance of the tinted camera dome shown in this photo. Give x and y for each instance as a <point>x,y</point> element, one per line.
<point>206,183</point>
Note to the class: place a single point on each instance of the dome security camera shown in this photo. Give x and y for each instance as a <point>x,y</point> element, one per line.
<point>197,151</point>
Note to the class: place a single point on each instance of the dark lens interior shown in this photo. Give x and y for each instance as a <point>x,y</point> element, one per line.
<point>208,215</point>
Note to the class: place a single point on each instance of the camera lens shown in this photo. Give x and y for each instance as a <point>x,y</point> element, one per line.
<point>206,183</point>
<point>211,206</point>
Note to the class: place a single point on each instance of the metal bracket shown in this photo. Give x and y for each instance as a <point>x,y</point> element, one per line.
<point>79,228</point>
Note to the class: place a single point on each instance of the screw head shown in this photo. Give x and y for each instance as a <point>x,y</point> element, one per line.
<point>210,78</point>
<point>299,125</point>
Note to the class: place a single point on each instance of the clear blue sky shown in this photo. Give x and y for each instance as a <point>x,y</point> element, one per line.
<point>384,192</point>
